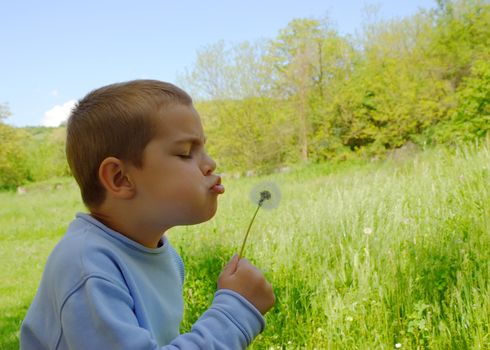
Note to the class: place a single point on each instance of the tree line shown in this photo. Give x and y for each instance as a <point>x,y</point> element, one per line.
<point>30,154</point>
<point>313,95</point>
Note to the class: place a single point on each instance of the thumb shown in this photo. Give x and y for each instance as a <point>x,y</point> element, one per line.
<point>231,267</point>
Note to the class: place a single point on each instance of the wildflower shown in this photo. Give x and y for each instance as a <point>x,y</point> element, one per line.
<point>398,345</point>
<point>368,231</point>
<point>266,195</point>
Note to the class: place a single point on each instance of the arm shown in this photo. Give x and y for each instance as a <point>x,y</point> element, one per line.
<point>99,315</point>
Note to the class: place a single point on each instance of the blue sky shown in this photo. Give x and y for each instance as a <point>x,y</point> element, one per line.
<point>54,52</point>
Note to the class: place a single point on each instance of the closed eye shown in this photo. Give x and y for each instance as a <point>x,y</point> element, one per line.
<point>184,156</point>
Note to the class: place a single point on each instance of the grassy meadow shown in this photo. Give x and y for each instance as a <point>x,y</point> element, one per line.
<point>380,255</point>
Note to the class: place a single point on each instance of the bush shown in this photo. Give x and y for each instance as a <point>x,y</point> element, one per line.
<point>13,157</point>
<point>471,119</point>
<point>46,156</point>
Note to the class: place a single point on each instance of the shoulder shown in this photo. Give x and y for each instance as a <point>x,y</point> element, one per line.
<point>82,253</point>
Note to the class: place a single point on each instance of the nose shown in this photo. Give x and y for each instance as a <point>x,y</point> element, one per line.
<point>209,165</point>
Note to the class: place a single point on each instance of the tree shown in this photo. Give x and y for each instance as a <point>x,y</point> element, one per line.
<point>248,134</point>
<point>4,112</point>
<point>13,167</point>
<point>422,78</point>
<point>46,153</point>
<point>307,57</point>
<point>471,119</point>
<point>233,88</point>
<point>224,72</point>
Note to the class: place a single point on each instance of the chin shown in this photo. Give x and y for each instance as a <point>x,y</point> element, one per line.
<point>199,219</point>
<point>210,214</point>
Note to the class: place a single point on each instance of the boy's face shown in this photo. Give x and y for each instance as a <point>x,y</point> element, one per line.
<point>175,184</point>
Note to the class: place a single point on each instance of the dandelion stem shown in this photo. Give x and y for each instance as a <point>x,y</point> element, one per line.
<point>249,226</point>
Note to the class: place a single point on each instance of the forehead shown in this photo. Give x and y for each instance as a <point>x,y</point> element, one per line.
<point>177,123</point>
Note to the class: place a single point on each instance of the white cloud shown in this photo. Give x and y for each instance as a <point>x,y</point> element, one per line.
<point>58,114</point>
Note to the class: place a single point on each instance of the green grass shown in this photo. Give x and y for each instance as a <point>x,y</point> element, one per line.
<point>421,278</point>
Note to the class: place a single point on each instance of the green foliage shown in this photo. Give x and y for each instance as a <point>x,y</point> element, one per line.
<point>224,71</point>
<point>46,153</point>
<point>240,142</point>
<point>313,95</point>
<point>31,154</point>
<point>13,157</point>
<point>471,118</point>
<point>421,79</point>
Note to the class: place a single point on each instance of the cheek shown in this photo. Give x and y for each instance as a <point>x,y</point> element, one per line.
<point>185,186</point>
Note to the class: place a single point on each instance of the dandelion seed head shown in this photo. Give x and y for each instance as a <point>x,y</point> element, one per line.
<point>266,194</point>
<point>398,346</point>
<point>368,230</point>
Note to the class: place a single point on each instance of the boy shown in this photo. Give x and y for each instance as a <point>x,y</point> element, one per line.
<point>114,281</point>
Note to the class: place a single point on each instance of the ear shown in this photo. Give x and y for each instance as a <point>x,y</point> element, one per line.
<point>113,177</point>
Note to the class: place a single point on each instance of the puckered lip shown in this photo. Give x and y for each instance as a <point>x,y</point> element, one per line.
<point>217,181</point>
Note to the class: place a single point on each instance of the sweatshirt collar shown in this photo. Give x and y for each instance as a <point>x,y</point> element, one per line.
<point>163,246</point>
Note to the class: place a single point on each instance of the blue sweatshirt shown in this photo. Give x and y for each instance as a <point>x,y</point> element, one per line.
<point>101,290</point>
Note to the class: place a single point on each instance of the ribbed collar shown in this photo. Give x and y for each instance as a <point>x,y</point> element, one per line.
<point>121,238</point>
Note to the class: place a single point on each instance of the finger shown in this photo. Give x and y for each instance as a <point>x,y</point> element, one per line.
<point>243,262</point>
<point>231,266</point>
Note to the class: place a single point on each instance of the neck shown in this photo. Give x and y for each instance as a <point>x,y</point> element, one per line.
<point>136,231</point>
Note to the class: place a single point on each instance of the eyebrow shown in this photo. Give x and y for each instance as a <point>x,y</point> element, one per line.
<point>191,139</point>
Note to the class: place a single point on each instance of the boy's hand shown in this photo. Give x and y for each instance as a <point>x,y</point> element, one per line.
<point>242,277</point>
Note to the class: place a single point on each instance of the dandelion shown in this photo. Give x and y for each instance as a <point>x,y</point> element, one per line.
<point>368,231</point>
<point>398,345</point>
<point>266,195</point>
